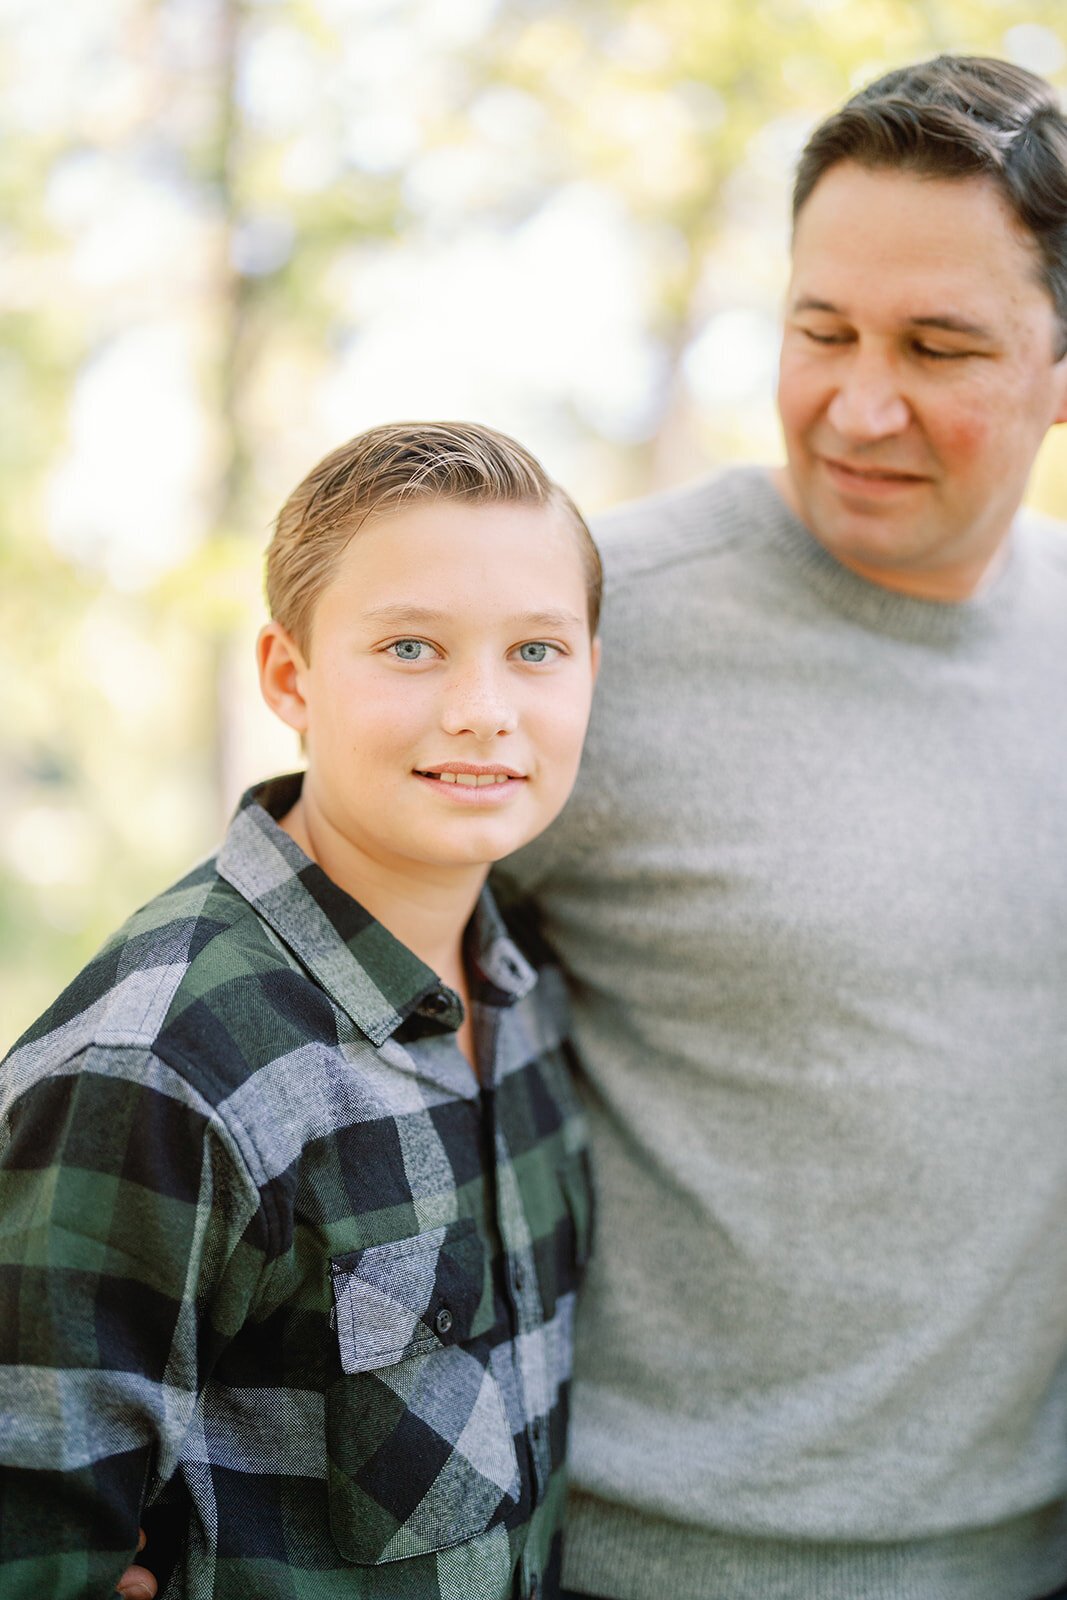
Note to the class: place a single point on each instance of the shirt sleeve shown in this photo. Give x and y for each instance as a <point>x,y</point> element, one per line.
<point>131,1243</point>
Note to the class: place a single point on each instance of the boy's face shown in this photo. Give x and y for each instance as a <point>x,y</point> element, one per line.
<point>451,645</point>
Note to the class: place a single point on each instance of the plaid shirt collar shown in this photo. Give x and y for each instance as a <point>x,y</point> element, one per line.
<point>374,978</point>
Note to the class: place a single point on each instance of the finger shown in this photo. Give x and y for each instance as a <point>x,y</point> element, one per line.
<point>136,1583</point>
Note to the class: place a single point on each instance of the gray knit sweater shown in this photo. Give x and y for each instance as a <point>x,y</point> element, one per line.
<point>812,893</point>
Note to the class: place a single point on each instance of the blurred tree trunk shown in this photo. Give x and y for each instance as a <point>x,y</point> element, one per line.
<point>232,365</point>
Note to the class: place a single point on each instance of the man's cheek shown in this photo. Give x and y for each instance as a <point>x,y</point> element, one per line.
<point>966,438</point>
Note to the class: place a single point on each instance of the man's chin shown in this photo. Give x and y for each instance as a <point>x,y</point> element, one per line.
<point>868,541</point>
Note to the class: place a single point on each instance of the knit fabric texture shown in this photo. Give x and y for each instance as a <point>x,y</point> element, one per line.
<point>811,893</point>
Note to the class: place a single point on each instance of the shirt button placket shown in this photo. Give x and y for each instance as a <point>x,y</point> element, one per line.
<point>525,1298</point>
<point>528,1585</point>
<point>527,1314</point>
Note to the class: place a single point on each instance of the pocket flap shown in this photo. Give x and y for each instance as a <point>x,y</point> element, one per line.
<point>407,1297</point>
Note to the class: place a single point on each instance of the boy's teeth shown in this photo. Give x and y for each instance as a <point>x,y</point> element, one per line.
<point>473,780</point>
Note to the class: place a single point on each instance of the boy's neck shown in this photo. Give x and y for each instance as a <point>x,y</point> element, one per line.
<point>427,912</point>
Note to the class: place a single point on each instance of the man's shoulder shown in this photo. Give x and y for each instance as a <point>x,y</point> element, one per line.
<point>162,984</point>
<point>695,521</point>
<point>1046,536</point>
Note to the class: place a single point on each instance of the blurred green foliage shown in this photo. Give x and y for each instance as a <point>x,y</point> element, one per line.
<point>235,233</point>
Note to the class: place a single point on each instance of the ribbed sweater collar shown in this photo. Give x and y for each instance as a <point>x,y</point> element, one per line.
<point>933,622</point>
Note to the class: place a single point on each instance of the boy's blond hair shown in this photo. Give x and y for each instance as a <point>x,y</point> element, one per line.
<point>385,470</point>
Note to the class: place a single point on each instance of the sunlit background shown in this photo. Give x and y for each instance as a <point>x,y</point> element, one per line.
<point>235,234</point>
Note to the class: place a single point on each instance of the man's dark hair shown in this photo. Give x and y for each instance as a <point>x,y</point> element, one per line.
<point>961,117</point>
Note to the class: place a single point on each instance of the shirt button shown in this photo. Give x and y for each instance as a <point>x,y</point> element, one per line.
<point>443,1321</point>
<point>435,1005</point>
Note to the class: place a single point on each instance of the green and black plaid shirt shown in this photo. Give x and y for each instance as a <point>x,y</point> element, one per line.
<point>278,1278</point>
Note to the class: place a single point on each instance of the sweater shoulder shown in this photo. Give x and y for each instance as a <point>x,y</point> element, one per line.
<point>1046,538</point>
<point>695,522</point>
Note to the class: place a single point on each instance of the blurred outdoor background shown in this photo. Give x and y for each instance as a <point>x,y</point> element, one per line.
<point>233,234</point>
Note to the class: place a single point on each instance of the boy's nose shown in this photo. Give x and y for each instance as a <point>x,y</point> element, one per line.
<point>477,703</point>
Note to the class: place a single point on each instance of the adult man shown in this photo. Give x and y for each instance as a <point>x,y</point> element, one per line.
<point>812,892</point>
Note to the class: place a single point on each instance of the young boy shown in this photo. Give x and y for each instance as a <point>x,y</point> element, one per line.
<point>293,1190</point>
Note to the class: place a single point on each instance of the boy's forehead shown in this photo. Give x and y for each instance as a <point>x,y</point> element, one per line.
<point>453,511</point>
<point>405,611</point>
<point>440,530</point>
<point>427,558</point>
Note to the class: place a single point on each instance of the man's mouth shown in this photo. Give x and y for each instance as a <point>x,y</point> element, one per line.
<point>873,475</point>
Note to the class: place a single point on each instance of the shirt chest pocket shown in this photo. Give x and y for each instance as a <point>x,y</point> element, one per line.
<point>419,1452</point>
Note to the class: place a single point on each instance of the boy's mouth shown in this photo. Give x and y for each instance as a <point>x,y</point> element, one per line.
<point>469,775</point>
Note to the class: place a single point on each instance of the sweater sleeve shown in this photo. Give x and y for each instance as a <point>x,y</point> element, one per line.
<point>131,1243</point>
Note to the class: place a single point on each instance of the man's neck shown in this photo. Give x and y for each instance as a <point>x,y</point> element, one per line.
<point>948,584</point>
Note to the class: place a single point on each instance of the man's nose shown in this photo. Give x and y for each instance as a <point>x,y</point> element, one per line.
<point>868,403</point>
<point>478,701</point>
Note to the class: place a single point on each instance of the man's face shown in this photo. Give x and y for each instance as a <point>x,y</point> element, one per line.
<point>918,375</point>
<point>448,688</point>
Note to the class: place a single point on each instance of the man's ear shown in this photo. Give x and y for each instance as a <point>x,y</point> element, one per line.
<point>1060,371</point>
<point>281,671</point>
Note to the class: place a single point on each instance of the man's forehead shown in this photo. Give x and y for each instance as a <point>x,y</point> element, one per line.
<point>951,247</point>
<point>974,189</point>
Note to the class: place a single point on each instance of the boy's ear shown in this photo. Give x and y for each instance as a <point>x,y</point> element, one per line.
<point>281,668</point>
<point>594,656</point>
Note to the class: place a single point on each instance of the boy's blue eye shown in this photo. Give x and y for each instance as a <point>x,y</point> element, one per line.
<point>535,651</point>
<point>409,649</point>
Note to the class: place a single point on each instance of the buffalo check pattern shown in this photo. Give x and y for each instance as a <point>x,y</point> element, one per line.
<point>279,1279</point>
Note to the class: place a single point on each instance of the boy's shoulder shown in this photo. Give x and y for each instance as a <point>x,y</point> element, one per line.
<point>194,978</point>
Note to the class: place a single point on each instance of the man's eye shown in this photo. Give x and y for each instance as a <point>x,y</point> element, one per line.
<point>411,649</point>
<point>933,354</point>
<point>537,650</point>
<point>818,337</point>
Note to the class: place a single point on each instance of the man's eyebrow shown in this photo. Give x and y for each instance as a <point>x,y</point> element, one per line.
<point>947,322</point>
<point>423,616</point>
<point>954,324</point>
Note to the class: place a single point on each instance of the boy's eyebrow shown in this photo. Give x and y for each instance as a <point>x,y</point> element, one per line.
<point>428,616</point>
